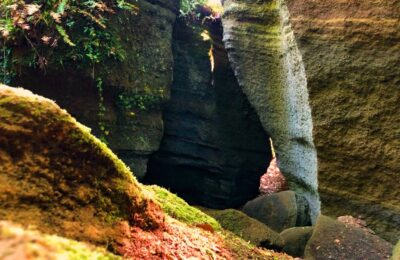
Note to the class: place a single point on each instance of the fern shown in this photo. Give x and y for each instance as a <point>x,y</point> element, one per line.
<point>61,6</point>
<point>64,35</point>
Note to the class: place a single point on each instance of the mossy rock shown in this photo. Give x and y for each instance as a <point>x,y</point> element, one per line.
<point>58,177</point>
<point>295,240</point>
<point>18,243</point>
<point>396,252</point>
<point>247,228</point>
<point>179,209</point>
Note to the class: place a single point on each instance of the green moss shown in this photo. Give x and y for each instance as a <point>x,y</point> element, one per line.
<point>179,209</point>
<point>34,244</point>
<point>396,252</point>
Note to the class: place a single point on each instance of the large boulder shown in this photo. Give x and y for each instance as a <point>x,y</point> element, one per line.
<point>56,176</point>
<point>333,239</point>
<point>247,228</point>
<point>269,68</point>
<point>126,109</point>
<point>295,240</point>
<point>352,57</point>
<point>278,211</point>
<point>214,148</point>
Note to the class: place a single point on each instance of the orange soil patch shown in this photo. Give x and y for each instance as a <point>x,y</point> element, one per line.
<point>174,241</point>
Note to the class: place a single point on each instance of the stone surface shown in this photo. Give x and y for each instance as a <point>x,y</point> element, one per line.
<point>247,228</point>
<point>23,244</point>
<point>351,54</point>
<point>295,240</point>
<point>214,149</point>
<point>57,177</point>
<point>132,130</point>
<point>269,68</point>
<point>278,211</point>
<point>396,252</point>
<point>332,239</point>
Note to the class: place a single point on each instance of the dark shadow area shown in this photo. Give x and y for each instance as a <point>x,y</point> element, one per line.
<point>214,148</point>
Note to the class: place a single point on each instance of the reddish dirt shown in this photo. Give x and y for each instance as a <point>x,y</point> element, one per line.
<point>174,241</point>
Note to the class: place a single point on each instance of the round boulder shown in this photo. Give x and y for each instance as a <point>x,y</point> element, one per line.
<point>295,240</point>
<point>278,211</point>
<point>333,239</point>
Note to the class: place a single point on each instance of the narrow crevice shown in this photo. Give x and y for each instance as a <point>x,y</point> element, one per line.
<point>214,148</point>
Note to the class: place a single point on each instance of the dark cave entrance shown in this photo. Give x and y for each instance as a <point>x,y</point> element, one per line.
<point>214,148</point>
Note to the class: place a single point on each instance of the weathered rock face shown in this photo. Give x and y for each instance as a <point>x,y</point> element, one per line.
<point>269,68</point>
<point>332,239</point>
<point>56,176</point>
<point>351,54</point>
<point>214,148</point>
<point>133,90</point>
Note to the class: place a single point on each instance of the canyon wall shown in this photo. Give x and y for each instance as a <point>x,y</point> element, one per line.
<point>351,53</point>
<point>269,68</point>
<point>126,111</point>
<point>214,148</point>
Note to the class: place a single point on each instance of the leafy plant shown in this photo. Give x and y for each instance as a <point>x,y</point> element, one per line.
<point>147,100</point>
<point>188,6</point>
<point>60,31</point>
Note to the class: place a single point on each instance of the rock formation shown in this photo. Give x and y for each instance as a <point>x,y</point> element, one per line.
<point>269,68</point>
<point>332,239</point>
<point>132,90</point>
<point>58,178</point>
<point>351,54</point>
<point>214,148</point>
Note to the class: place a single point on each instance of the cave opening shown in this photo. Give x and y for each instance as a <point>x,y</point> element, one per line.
<point>214,148</point>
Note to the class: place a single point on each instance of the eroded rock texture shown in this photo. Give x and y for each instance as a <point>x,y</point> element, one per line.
<point>214,148</point>
<point>133,90</point>
<point>264,55</point>
<point>351,53</point>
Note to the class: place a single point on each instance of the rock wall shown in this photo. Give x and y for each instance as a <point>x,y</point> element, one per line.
<point>351,53</point>
<point>133,90</point>
<point>214,149</point>
<point>269,68</point>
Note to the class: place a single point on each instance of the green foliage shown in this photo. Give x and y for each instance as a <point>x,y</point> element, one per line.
<point>188,6</point>
<point>179,209</point>
<point>6,74</point>
<point>61,31</point>
<point>147,100</point>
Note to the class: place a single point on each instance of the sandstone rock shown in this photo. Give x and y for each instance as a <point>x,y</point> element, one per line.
<point>332,239</point>
<point>278,211</point>
<point>351,55</point>
<point>54,175</point>
<point>214,148</point>
<point>268,65</point>
<point>132,128</point>
<point>295,240</point>
<point>247,228</point>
